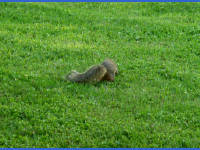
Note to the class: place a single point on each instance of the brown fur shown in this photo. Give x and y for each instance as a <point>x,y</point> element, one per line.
<point>111,70</point>
<point>105,71</point>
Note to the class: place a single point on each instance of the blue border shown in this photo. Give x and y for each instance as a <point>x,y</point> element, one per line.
<point>99,0</point>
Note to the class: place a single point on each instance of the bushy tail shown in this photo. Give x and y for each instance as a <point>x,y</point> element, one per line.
<point>93,74</point>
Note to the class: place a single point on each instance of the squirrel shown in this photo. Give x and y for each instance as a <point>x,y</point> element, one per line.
<point>104,71</point>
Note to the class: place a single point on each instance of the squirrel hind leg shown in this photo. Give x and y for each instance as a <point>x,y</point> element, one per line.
<point>109,77</point>
<point>99,73</point>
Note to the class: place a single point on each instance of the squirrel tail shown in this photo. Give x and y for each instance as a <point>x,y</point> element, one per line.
<point>93,74</point>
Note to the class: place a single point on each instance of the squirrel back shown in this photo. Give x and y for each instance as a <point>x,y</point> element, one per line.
<point>93,74</point>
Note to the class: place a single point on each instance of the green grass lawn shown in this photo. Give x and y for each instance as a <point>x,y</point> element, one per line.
<point>154,101</point>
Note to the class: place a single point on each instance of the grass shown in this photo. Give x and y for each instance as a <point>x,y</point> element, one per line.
<point>154,101</point>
